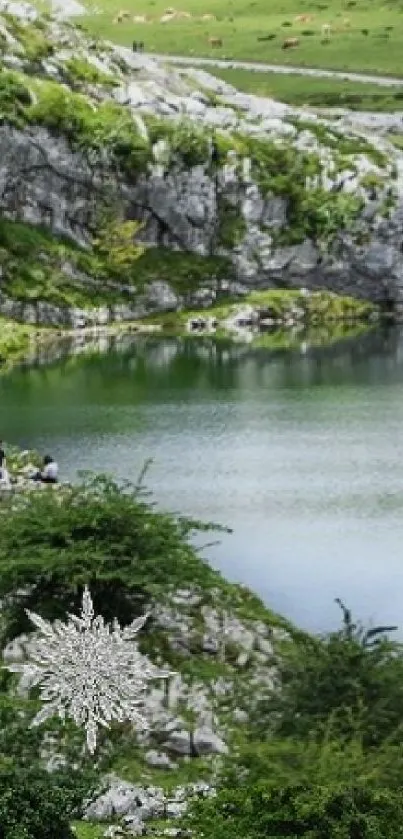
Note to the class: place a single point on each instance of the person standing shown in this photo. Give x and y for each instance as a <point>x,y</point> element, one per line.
<point>2,459</point>
<point>4,476</point>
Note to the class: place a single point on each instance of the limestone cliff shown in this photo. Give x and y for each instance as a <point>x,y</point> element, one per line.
<point>260,193</point>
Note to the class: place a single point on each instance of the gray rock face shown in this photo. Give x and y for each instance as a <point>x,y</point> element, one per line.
<point>181,210</point>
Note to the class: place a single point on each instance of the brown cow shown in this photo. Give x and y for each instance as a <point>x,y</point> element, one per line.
<point>290,43</point>
<point>215,42</point>
<point>121,16</point>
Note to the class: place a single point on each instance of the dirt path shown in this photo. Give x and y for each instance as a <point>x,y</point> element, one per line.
<point>226,64</point>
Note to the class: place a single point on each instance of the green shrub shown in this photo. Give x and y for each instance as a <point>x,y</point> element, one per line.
<point>14,97</point>
<point>314,812</point>
<point>232,226</point>
<point>112,540</point>
<point>109,126</point>
<point>352,676</point>
<point>37,46</point>
<point>33,805</point>
<point>79,70</point>
<point>187,141</point>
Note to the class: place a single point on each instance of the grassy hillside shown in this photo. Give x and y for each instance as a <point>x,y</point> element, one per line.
<point>15,340</point>
<point>316,93</point>
<point>365,35</point>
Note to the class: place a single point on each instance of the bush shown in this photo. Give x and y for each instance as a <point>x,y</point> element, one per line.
<point>187,142</point>
<point>79,70</point>
<point>353,676</point>
<point>108,127</point>
<point>14,96</point>
<point>110,539</point>
<point>315,812</point>
<point>35,805</point>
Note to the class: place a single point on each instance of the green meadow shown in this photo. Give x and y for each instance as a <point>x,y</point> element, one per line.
<point>365,35</point>
<point>314,92</point>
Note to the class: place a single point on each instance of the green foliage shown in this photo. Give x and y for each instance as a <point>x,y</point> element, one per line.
<point>319,214</point>
<point>116,247</point>
<point>185,272</point>
<point>14,340</point>
<point>80,71</point>
<point>232,226</point>
<point>187,142</point>
<point>14,97</point>
<point>36,44</point>
<point>108,127</point>
<point>33,268</point>
<point>312,212</point>
<point>344,144</point>
<point>354,676</point>
<point>350,811</point>
<point>32,806</point>
<point>279,305</point>
<point>112,540</point>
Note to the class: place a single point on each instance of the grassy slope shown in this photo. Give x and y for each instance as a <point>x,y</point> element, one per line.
<point>318,307</point>
<point>371,40</point>
<point>301,90</point>
<point>32,261</point>
<point>14,340</point>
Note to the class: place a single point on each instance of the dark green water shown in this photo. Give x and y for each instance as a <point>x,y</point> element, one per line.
<point>301,453</point>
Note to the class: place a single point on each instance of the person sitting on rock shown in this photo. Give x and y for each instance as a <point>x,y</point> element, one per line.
<point>49,472</point>
<point>2,459</point>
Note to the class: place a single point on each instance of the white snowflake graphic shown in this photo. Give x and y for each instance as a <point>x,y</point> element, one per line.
<point>88,670</point>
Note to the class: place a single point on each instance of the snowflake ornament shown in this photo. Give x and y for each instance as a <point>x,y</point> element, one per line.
<point>88,670</point>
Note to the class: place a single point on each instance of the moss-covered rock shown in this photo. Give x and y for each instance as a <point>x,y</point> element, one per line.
<point>15,340</point>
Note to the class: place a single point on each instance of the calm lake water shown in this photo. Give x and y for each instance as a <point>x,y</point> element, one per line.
<point>300,453</point>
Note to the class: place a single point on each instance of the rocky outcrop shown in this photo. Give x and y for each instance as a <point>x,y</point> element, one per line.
<point>228,206</point>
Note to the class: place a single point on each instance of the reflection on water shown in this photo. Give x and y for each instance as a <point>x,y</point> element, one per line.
<point>300,451</point>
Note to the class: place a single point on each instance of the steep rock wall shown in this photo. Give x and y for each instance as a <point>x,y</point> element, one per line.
<point>44,182</point>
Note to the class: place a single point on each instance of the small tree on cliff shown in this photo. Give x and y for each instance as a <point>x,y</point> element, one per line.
<point>116,246</point>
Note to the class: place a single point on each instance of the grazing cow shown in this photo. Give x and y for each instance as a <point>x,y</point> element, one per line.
<point>168,18</point>
<point>121,16</point>
<point>215,42</point>
<point>140,19</point>
<point>303,18</point>
<point>326,30</point>
<point>208,17</point>
<point>183,16</point>
<point>290,43</point>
